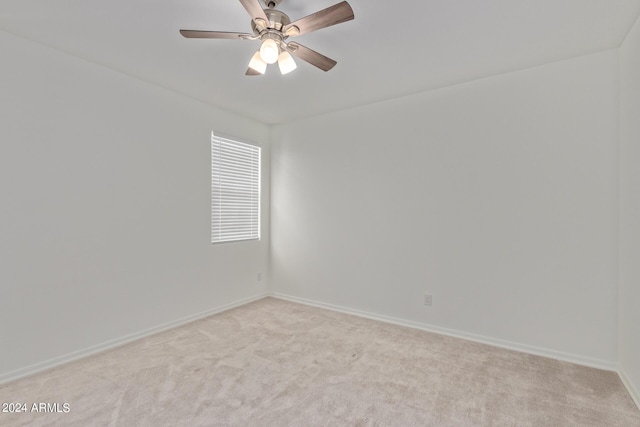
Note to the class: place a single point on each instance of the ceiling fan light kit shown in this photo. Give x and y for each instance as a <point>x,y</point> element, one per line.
<point>286,63</point>
<point>257,64</point>
<point>269,51</point>
<point>273,27</point>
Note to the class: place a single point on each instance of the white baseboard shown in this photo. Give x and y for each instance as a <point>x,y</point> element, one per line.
<point>635,394</point>
<point>108,345</point>
<point>523,348</point>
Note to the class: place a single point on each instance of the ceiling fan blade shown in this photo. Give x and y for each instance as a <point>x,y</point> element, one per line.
<point>196,34</point>
<point>256,12</point>
<point>311,56</point>
<point>332,15</point>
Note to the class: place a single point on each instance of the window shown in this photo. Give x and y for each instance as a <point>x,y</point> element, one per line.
<point>235,190</point>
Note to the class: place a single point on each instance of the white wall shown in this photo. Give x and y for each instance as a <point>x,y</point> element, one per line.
<point>105,219</point>
<point>501,193</point>
<point>629,337</point>
<point>499,197</point>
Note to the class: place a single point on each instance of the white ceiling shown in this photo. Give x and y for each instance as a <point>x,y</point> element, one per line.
<point>391,49</point>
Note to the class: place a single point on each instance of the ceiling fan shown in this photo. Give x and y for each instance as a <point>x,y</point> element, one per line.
<point>273,28</point>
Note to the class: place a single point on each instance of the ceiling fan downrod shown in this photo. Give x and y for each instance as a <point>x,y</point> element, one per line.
<point>272,4</point>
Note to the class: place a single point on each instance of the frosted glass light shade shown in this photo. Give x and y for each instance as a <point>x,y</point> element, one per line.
<point>286,63</point>
<point>269,51</point>
<point>257,63</point>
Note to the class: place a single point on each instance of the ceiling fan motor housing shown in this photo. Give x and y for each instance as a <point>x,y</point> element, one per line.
<point>277,21</point>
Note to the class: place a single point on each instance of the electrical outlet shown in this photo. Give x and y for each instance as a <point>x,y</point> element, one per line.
<point>428,299</point>
<point>259,277</point>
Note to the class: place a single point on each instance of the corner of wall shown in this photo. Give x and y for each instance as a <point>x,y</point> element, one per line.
<point>628,209</point>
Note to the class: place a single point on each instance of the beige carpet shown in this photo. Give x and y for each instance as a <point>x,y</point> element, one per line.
<point>275,363</point>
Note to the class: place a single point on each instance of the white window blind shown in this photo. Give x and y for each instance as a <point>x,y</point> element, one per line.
<point>235,190</point>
